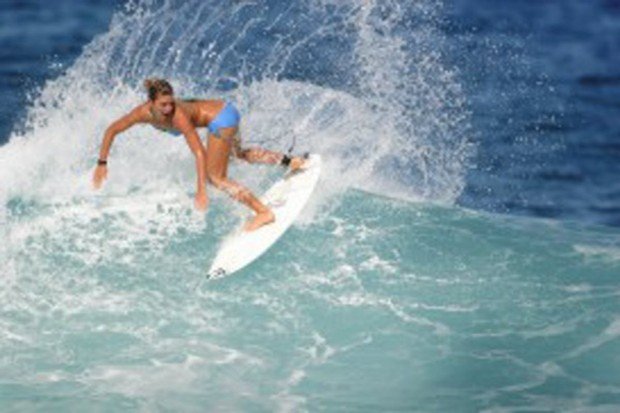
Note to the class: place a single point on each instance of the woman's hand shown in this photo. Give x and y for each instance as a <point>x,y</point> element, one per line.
<point>100,175</point>
<point>201,202</point>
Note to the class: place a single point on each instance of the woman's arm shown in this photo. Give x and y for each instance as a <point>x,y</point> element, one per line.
<point>183,124</point>
<point>101,172</point>
<point>118,126</point>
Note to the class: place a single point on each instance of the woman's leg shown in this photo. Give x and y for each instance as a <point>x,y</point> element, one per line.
<point>218,153</point>
<point>260,155</point>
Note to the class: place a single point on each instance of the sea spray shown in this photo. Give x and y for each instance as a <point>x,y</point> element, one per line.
<point>356,81</point>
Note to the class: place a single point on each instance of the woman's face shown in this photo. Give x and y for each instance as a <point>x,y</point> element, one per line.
<point>164,104</point>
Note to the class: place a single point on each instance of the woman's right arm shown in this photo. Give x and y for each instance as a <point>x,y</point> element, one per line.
<point>135,116</point>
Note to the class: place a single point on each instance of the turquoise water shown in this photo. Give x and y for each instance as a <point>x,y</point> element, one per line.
<point>377,304</point>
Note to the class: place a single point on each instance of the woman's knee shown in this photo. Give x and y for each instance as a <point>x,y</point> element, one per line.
<point>232,188</point>
<point>216,180</point>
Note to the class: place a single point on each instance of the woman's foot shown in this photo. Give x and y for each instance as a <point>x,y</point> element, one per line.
<point>297,163</point>
<point>260,219</point>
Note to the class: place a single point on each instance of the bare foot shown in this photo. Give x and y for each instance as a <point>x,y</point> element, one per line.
<point>259,220</point>
<point>297,163</point>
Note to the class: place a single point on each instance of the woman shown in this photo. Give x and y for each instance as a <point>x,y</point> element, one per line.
<point>163,111</point>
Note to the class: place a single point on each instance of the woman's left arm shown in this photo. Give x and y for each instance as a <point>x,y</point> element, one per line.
<point>185,126</point>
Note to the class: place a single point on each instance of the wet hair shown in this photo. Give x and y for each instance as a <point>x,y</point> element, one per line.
<point>155,87</point>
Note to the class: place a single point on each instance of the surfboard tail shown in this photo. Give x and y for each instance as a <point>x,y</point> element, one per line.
<point>216,273</point>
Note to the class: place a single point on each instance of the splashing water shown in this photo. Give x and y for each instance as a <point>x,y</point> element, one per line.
<point>360,82</point>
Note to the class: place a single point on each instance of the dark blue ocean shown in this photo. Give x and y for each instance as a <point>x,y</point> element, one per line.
<point>462,252</point>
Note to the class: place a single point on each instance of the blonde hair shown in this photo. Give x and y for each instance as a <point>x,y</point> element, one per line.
<point>155,87</point>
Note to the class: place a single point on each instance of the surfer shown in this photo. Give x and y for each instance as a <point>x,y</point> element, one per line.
<point>181,117</point>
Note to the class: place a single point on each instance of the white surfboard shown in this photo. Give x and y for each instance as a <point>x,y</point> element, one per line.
<point>286,198</point>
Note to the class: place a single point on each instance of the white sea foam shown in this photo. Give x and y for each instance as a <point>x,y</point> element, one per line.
<point>607,253</point>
